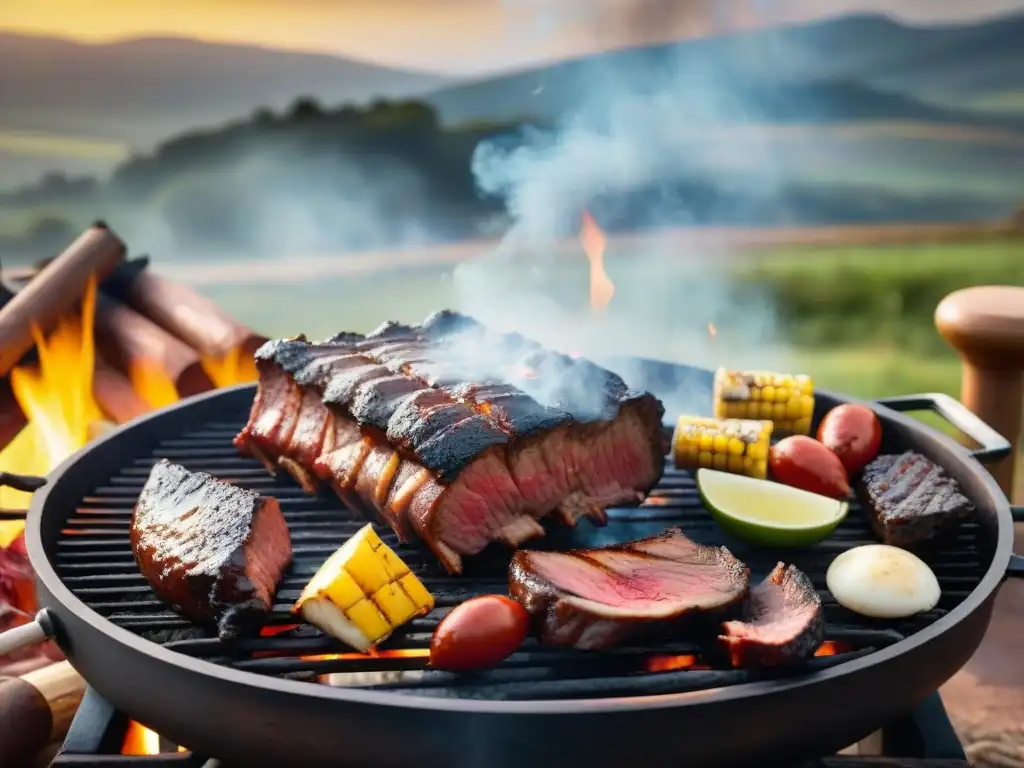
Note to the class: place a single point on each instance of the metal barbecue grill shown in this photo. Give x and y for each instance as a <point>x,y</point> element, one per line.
<point>294,696</point>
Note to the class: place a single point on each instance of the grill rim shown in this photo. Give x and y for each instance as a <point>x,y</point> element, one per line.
<point>923,437</point>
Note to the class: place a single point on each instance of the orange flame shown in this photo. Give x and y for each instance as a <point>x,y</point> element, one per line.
<point>153,384</point>
<point>396,653</point>
<point>669,663</point>
<point>830,648</point>
<point>593,240</point>
<point>233,368</point>
<point>62,414</point>
<point>56,398</point>
<point>139,740</point>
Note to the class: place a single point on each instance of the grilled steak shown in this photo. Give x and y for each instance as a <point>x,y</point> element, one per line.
<point>910,500</point>
<point>595,599</point>
<point>453,432</point>
<point>213,551</point>
<point>783,622</point>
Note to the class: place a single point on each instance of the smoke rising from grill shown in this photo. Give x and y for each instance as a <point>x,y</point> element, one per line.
<point>633,150</point>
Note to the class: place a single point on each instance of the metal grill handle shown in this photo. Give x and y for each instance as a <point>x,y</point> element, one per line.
<point>994,446</point>
<point>37,631</point>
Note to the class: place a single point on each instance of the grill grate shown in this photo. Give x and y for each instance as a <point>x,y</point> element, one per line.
<point>95,561</point>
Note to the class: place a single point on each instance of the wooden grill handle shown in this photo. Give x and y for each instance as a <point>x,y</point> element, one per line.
<point>985,325</point>
<point>36,709</point>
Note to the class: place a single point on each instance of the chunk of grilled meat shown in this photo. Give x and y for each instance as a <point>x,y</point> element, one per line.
<point>910,500</point>
<point>215,552</point>
<point>595,599</point>
<point>455,433</point>
<point>783,623</point>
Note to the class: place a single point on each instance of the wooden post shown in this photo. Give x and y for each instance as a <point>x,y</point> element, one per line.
<point>985,325</point>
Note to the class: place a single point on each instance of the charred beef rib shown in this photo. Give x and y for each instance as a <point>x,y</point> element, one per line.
<point>453,432</point>
<point>783,625</point>
<point>910,500</point>
<point>595,599</point>
<point>213,551</point>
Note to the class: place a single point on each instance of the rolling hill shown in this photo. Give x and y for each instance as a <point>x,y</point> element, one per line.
<point>851,68</point>
<point>145,90</point>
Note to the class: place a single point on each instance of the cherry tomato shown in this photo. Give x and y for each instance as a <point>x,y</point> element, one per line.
<point>803,462</point>
<point>854,434</point>
<point>479,633</point>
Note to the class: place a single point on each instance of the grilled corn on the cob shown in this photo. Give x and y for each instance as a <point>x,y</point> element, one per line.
<point>363,593</point>
<point>785,399</point>
<point>732,445</point>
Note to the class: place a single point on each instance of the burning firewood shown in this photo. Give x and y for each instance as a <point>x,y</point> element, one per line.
<point>160,366</point>
<point>56,290</point>
<point>191,317</point>
<point>115,395</point>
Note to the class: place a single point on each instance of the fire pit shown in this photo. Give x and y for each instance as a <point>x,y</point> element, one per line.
<point>92,339</point>
<point>292,697</point>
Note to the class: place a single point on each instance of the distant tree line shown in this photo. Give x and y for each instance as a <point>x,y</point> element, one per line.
<point>312,179</point>
<point>320,178</point>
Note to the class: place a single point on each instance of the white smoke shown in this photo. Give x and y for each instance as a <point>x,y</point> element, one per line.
<point>632,132</point>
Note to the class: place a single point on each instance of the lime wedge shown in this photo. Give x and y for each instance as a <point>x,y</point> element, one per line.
<point>764,512</point>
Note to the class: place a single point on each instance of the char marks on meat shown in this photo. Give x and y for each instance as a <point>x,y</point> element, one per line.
<point>453,432</point>
<point>783,622</point>
<point>215,552</point>
<point>910,500</point>
<point>594,599</point>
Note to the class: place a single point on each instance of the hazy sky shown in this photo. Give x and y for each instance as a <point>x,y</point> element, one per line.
<point>466,35</point>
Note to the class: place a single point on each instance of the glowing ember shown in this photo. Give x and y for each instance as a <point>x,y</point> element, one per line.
<point>397,653</point>
<point>593,240</point>
<point>669,663</point>
<point>56,398</point>
<point>139,740</point>
<point>657,501</point>
<point>277,629</point>
<point>831,648</point>
<point>712,330</point>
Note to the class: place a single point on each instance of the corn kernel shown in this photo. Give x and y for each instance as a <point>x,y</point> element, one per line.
<point>733,445</point>
<point>369,619</point>
<point>785,399</point>
<point>396,606</point>
<point>363,592</point>
<point>343,590</point>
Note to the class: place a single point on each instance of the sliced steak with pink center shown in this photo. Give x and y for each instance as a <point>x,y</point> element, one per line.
<point>595,599</point>
<point>783,625</point>
<point>455,433</point>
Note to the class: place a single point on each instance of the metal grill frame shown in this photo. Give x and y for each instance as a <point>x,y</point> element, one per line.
<point>113,658</point>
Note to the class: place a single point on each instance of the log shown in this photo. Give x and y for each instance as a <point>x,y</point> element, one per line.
<point>35,709</point>
<point>190,316</point>
<point>985,325</point>
<point>134,344</point>
<point>55,291</point>
<point>115,394</point>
